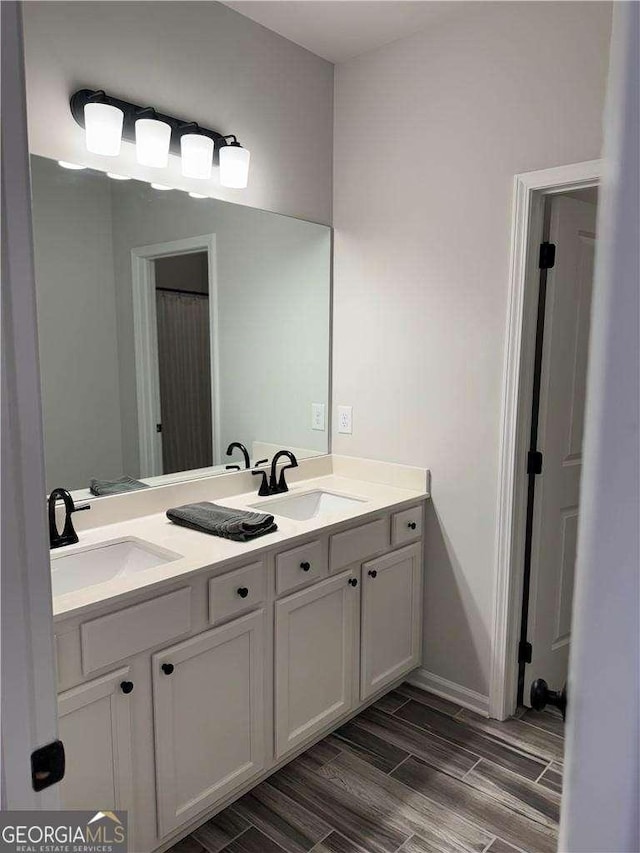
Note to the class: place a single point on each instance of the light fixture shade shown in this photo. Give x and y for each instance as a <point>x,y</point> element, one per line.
<point>103,128</point>
<point>152,142</point>
<point>234,166</point>
<point>73,166</point>
<point>197,155</point>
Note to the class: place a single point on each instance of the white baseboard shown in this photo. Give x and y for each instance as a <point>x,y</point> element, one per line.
<point>450,690</point>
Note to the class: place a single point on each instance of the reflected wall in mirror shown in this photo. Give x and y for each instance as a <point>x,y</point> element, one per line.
<point>170,327</point>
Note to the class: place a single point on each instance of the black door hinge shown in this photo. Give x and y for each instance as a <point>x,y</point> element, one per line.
<point>534,462</point>
<point>547,256</point>
<point>158,427</point>
<point>525,652</point>
<point>47,765</point>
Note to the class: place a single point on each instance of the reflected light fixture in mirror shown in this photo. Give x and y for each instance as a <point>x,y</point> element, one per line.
<point>153,138</point>
<point>161,187</point>
<point>73,166</point>
<point>116,177</point>
<point>103,128</point>
<point>196,152</point>
<point>234,165</point>
<point>197,195</point>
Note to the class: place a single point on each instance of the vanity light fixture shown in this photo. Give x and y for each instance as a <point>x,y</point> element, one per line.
<point>161,187</point>
<point>116,177</point>
<point>67,165</point>
<point>234,164</point>
<point>157,135</point>
<point>103,127</point>
<point>197,195</point>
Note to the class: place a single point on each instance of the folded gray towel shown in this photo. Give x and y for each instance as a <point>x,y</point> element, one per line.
<point>237,524</point>
<point>115,487</point>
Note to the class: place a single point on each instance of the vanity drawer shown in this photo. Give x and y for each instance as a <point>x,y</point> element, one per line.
<point>120,635</point>
<point>406,526</point>
<point>237,591</point>
<point>300,566</point>
<point>358,544</point>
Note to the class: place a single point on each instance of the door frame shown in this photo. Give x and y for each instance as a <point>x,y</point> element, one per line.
<point>530,190</point>
<point>145,332</point>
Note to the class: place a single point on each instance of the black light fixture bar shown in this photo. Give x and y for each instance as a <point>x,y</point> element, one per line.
<point>134,111</point>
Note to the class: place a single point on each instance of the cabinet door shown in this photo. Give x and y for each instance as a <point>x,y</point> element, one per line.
<point>209,717</point>
<point>315,647</point>
<point>95,728</point>
<point>391,618</point>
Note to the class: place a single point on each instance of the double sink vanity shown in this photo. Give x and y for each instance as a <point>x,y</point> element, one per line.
<point>190,667</point>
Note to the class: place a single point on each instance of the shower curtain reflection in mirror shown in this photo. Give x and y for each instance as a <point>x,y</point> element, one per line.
<point>184,367</point>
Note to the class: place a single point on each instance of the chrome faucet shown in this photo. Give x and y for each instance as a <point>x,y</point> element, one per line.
<point>68,535</point>
<point>276,486</point>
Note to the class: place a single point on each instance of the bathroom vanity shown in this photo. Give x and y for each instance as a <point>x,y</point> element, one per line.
<point>201,665</point>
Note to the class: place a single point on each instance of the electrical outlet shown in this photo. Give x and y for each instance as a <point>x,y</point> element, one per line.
<point>345,419</point>
<point>317,416</point>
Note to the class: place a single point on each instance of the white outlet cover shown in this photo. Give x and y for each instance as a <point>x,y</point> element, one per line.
<point>345,419</point>
<point>317,416</point>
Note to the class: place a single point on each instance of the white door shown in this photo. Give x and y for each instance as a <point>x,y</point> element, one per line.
<point>95,727</point>
<point>391,596</point>
<point>209,718</point>
<point>315,649</point>
<point>560,428</point>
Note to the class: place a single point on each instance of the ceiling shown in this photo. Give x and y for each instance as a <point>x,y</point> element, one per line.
<point>338,30</point>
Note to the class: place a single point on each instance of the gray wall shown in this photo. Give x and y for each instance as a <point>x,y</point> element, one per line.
<point>273,295</point>
<point>183,272</point>
<point>422,219</point>
<point>199,61</point>
<point>76,325</point>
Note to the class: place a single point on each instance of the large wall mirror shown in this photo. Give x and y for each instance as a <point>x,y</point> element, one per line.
<point>171,326</point>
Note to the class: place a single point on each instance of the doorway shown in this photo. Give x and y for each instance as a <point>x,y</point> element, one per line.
<point>175,310</point>
<point>554,462</point>
<point>542,413</point>
<point>184,362</point>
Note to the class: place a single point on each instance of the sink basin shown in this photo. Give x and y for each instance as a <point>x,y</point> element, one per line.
<point>308,504</point>
<point>100,563</point>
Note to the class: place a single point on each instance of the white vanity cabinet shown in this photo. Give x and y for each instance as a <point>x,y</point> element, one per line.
<point>315,658</point>
<point>391,618</point>
<point>177,702</point>
<point>94,722</point>
<point>209,717</point>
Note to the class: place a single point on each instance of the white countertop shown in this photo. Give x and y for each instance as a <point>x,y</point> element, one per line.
<point>200,550</point>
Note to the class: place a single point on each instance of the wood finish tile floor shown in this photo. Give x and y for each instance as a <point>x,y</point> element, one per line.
<point>411,774</point>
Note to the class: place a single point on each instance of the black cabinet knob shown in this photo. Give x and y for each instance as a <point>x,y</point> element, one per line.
<point>305,566</point>
<point>126,686</point>
<point>373,573</point>
<point>243,592</point>
<point>412,525</point>
<point>167,668</point>
<point>353,581</point>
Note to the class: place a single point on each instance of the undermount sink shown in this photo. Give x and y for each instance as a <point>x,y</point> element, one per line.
<point>308,504</point>
<point>101,563</point>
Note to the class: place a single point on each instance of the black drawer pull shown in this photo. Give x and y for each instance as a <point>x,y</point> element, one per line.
<point>126,686</point>
<point>353,581</point>
<point>167,668</point>
<point>305,566</point>
<point>243,591</point>
<point>412,525</point>
<point>373,573</point>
